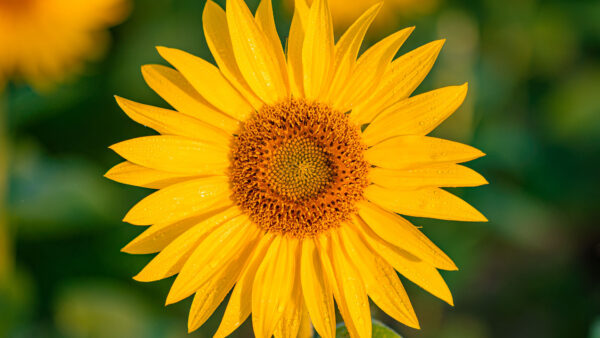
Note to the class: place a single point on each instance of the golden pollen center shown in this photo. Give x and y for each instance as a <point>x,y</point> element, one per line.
<point>298,168</point>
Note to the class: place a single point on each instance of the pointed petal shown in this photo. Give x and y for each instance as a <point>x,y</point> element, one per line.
<point>156,237</point>
<point>426,202</point>
<point>133,174</point>
<point>346,50</point>
<point>255,57</point>
<point>240,301</point>
<point>170,122</point>
<point>382,283</point>
<point>179,93</point>
<point>369,70</point>
<point>317,292</point>
<point>294,48</point>
<point>171,259</point>
<point>441,175</point>
<point>175,154</point>
<point>266,22</point>
<point>217,36</point>
<point>209,82</point>
<point>352,289</point>
<point>305,327</point>
<point>410,151</point>
<point>418,115</point>
<point>179,201</point>
<point>318,50</point>
<point>212,293</point>
<point>414,269</point>
<point>401,79</point>
<point>289,324</point>
<point>273,285</point>
<point>325,253</point>
<point>401,233</point>
<point>227,247</point>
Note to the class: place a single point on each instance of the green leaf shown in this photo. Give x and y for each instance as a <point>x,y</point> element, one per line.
<point>380,330</point>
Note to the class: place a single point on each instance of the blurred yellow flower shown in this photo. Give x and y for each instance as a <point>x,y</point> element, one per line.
<point>43,41</point>
<point>344,12</point>
<point>268,185</point>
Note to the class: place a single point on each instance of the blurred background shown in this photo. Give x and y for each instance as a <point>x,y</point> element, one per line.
<point>533,106</point>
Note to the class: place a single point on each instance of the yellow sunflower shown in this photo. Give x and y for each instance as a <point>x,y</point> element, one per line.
<point>45,40</point>
<point>281,175</point>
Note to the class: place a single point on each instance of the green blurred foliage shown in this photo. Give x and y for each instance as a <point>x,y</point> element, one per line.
<point>533,69</point>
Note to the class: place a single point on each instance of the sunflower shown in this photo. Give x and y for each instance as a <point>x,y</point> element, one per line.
<point>43,41</point>
<point>281,175</point>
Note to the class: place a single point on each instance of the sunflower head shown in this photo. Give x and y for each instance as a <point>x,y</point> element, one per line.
<point>45,41</point>
<point>283,175</point>
<point>298,168</point>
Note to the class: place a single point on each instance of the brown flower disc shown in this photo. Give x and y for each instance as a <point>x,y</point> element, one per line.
<point>298,168</point>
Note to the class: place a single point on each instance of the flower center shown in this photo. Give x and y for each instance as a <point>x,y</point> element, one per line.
<point>298,168</point>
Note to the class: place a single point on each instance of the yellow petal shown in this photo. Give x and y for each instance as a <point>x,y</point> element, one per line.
<point>170,260</point>
<point>209,82</point>
<point>418,115</point>
<point>318,50</point>
<point>417,271</point>
<point>170,122</point>
<point>325,253</point>
<point>352,289</point>
<point>410,151</point>
<point>369,70</point>
<point>217,37</point>
<point>401,233</point>
<point>290,321</point>
<point>179,201</point>
<point>212,293</point>
<point>318,295</point>
<point>175,154</point>
<point>240,301</point>
<point>255,57</point>
<point>273,285</point>
<point>306,330</point>
<point>346,50</point>
<point>402,77</point>
<point>266,22</point>
<point>382,283</point>
<point>158,236</point>
<point>133,174</point>
<point>441,175</point>
<point>294,48</point>
<point>225,248</point>
<point>426,202</point>
<point>179,93</point>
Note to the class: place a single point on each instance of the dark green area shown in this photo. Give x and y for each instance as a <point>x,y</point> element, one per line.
<point>533,106</point>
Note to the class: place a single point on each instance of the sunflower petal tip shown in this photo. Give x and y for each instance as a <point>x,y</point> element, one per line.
<point>170,300</point>
<point>139,278</point>
<point>130,219</point>
<point>438,44</point>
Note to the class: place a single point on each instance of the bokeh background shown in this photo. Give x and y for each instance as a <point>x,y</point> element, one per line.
<point>533,106</point>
